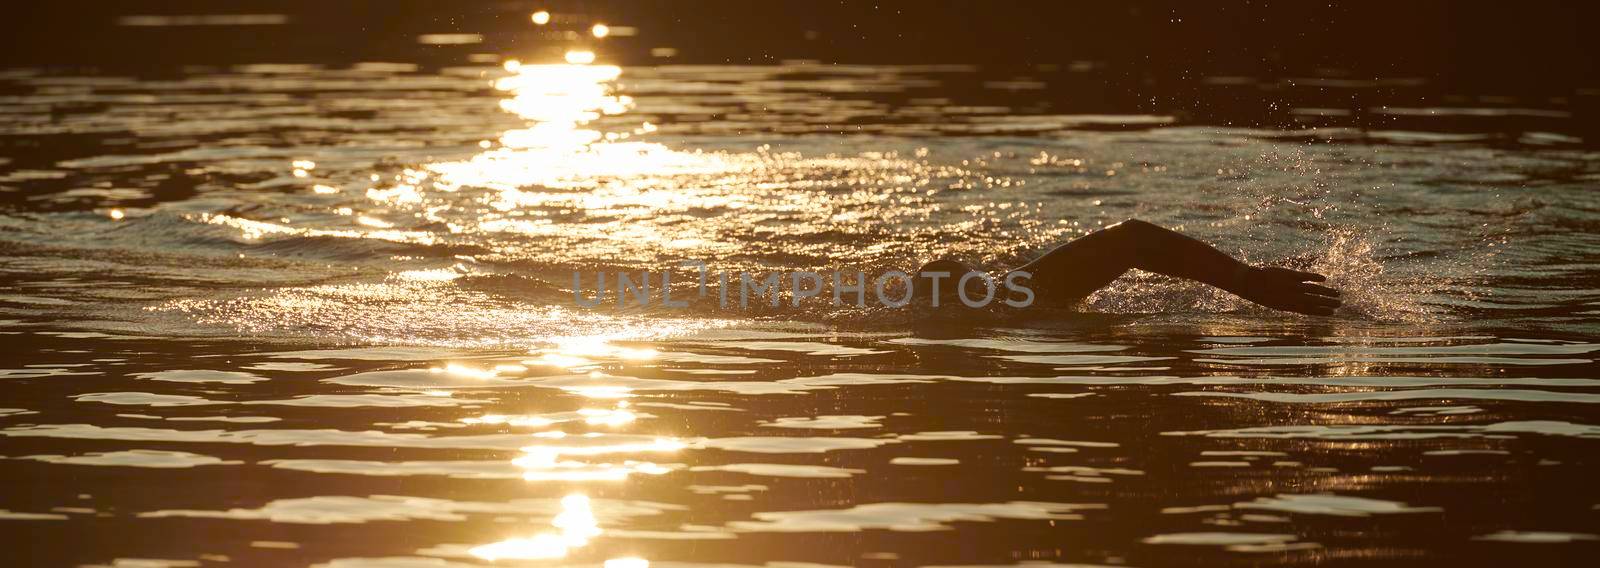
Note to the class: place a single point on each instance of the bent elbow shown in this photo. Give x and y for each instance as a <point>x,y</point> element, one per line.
<point>1134,225</point>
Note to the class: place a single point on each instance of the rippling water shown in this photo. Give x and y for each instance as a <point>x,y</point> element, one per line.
<point>295,315</point>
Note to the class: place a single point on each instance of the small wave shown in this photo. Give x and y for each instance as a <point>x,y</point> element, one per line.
<point>347,249</point>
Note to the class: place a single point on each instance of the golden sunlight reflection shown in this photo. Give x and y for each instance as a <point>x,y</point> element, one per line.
<point>582,352</point>
<point>601,392</point>
<point>545,462</point>
<point>576,524</point>
<point>616,416</point>
<point>608,417</point>
<point>434,275</point>
<point>577,156</point>
<point>374,222</point>
<point>580,57</point>
<point>528,421</point>
<point>562,96</point>
<point>558,150</point>
<point>465,371</point>
<point>251,230</point>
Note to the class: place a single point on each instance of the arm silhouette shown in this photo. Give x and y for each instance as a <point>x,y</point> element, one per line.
<point>1078,268</point>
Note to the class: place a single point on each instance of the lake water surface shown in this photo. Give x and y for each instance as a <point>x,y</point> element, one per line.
<point>289,315</point>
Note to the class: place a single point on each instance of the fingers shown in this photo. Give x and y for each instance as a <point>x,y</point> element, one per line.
<point>1318,290</point>
<point>1316,305</point>
<point>1320,307</point>
<point>1300,276</point>
<point>1324,301</point>
<point>1314,311</point>
<point>1294,291</point>
<point>1307,276</point>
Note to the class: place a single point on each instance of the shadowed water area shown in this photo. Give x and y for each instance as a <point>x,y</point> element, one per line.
<point>302,314</point>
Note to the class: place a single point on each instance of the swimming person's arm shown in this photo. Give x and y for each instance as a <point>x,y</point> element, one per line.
<point>1078,268</point>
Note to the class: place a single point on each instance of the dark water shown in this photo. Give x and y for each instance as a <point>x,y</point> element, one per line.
<point>280,315</point>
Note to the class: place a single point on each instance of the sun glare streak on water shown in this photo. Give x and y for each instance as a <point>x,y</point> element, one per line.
<point>545,462</point>
<point>576,523</point>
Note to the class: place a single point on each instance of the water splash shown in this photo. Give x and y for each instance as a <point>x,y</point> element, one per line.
<point>1352,265</point>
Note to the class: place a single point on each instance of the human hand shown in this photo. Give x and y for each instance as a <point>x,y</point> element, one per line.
<point>1288,290</point>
